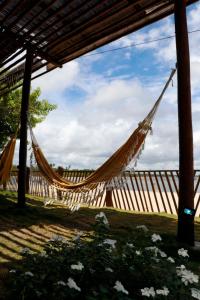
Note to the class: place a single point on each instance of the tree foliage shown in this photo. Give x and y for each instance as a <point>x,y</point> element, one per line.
<point>10,106</point>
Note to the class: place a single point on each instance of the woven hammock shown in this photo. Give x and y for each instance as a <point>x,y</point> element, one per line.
<point>6,160</point>
<point>113,167</point>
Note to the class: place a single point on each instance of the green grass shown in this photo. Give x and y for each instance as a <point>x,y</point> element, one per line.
<point>33,226</point>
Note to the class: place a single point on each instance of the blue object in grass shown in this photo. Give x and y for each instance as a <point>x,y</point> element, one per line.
<point>189,211</point>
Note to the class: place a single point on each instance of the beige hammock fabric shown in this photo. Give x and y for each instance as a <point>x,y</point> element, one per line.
<point>112,167</point>
<point>6,160</point>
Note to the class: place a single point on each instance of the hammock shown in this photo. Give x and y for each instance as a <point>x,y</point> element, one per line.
<point>113,167</point>
<point>6,159</point>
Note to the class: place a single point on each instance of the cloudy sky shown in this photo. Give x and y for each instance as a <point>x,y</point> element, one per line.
<point>102,97</point>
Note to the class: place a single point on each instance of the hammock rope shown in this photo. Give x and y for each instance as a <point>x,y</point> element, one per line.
<point>113,167</point>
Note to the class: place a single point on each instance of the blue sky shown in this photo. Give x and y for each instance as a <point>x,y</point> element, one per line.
<point>101,98</point>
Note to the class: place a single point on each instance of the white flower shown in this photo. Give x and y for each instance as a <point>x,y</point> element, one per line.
<point>56,238</point>
<point>25,250</point>
<point>43,254</point>
<point>156,259</point>
<point>171,260</point>
<point>182,267</point>
<point>61,283</point>
<point>48,201</point>
<point>78,235</point>
<point>138,252</point>
<point>183,252</point>
<point>110,242</point>
<point>186,275</point>
<point>12,271</point>
<point>29,274</point>
<point>103,217</point>
<point>153,248</point>
<point>78,267</point>
<point>162,254</point>
<point>143,227</point>
<point>148,292</point>
<point>156,237</point>
<point>163,292</point>
<point>109,270</point>
<point>195,293</point>
<point>156,250</point>
<point>72,284</point>
<point>120,288</point>
<point>130,245</point>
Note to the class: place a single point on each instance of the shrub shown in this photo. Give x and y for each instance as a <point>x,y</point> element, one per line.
<point>98,267</point>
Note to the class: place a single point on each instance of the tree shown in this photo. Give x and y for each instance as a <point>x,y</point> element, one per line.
<point>10,106</point>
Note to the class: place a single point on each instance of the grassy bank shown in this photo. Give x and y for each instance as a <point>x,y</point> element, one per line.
<point>33,226</point>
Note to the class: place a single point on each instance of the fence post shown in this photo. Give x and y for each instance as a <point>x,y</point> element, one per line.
<point>108,198</point>
<point>60,171</point>
<point>27,179</point>
<point>5,186</point>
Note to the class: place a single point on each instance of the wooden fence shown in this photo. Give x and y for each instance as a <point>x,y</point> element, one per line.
<point>143,191</point>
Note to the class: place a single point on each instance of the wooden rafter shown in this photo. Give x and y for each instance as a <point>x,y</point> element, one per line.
<point>59,32</point>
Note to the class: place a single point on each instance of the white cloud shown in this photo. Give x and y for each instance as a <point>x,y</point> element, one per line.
<point>88,134</point>
<point>57,81</point>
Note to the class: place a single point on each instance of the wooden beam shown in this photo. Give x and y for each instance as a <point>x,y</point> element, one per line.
<point>108,198</point>
<point>26,44</point>
<point>105,39</point>
<point>10,58</point>
<point>5,70</point>
<point>68,25</point>
<point>186,172</point>
<point>23,129</point>
<point>95,22</point>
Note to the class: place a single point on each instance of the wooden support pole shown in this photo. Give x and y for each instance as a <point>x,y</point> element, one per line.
<point>186,172</point>
<point>108,198</point>
<point>23,129</point>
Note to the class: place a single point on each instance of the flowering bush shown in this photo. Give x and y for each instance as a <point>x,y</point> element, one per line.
<point>100,267</point>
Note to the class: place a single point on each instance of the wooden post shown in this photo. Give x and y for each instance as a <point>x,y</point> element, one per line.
<point>27,179</point>
<point>186,176</point>
<point>108,198</point>
<point>4,186</point>
<point>60,171</point>
<point>23,129</point>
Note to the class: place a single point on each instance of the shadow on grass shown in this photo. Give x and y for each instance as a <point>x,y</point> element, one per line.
<point>32,226</point>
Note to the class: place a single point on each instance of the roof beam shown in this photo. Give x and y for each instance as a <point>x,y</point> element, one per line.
<point>128,15</point>
<point>80,27</point>
<point>36,50</point>
<point>38,14</point>
<point>5,2</point>
<point>12,11</point>
<point>38,25</point>
<point>13,64</point>
<point>11,57</point>
<point>56,22</point>
<point>112,37</point>
<point>23,13</point>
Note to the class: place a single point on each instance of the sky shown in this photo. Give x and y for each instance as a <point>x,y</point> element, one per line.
<point>101,98</point>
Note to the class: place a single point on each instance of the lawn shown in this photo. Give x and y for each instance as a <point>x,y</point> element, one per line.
<point>36,224</point>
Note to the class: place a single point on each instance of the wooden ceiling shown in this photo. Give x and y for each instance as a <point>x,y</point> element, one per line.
<point>59,31</point>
